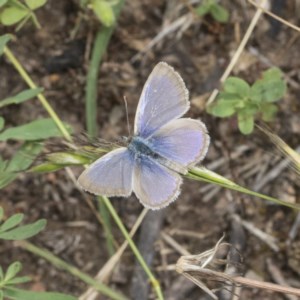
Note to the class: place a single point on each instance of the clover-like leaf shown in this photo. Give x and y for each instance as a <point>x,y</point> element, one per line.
<point>272,73</point>
<point>235,85</point>
<point>245,122</point>
<point>223,108</point>
<point>12,15</point>
<point>34,4</point>
<point>268,90</point>
<point>269,111</point>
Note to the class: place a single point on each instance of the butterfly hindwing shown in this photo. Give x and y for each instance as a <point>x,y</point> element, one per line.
<point>164,98</point>
<point>110,175</point>
<point>155,185</point>
<point>182,141</point>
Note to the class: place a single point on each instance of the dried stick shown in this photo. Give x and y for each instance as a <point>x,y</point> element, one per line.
<point>274,16</point>
<point>238,52</point>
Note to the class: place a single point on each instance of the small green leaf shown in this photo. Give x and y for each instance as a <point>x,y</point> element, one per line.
<point>24,157</point>
<point>12,15</point>
<point>245,123</point>
<point>268,112</point>
<point>204,8</point>
<point>2,122</point>
<point>272,74</point>
<point>222,108</point>
<point>21,97</point>
<point>268,90</point>
<point>18,294</point>
<point>249,108</point>
<point>20,162</point>
<point>4,39</point>
<point>36,130</point>
<point>3,165</point>
<point>24,232</point>
<point>18,280</point>
<point>219,13</point>
<point>104,12</point>
<point>6,178</point>
<point>34,4</point>
<point>235,85</point>
<point>11,222</point>
<point>3,2</point>
<point>229,97</point>
<point>1,274</point>
<point>12,270</point>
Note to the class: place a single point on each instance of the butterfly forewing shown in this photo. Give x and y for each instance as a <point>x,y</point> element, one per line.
<point>155,185</point>
<point>183,141</point>
<point>110,175</point>
<point>163,99</point>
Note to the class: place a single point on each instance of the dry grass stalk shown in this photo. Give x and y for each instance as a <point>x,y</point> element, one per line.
<point>274,16</point>
<point>204,267</point>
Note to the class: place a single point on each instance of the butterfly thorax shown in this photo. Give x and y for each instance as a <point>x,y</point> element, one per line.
<point>140,147</point>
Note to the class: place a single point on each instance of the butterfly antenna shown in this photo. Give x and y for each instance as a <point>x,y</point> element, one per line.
<point>127,116</point>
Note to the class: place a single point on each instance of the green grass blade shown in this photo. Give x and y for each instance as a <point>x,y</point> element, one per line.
<point>203,174</point>
<point>100,46</point>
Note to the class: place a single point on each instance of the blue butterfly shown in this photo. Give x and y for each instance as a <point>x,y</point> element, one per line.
<point>162,148</point>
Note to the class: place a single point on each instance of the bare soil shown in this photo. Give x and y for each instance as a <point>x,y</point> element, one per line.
<point>201,215</point>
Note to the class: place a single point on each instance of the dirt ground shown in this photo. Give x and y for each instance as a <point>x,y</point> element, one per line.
<point>197,220</point>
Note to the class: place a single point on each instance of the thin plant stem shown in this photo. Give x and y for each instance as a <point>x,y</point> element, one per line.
<point>99,48</point>
<point>289,24</point>
<point>134,249</point>
<point>238,51</point>
<point>107,226</point>
<point>203,174</point>
<point>40,96</point>
<point>54,260</point>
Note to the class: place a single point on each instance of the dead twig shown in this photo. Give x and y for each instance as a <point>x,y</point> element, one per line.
<point>202,266</point>
<point>259,6</point>
<point>264,237</point>
<point>238,52</point>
